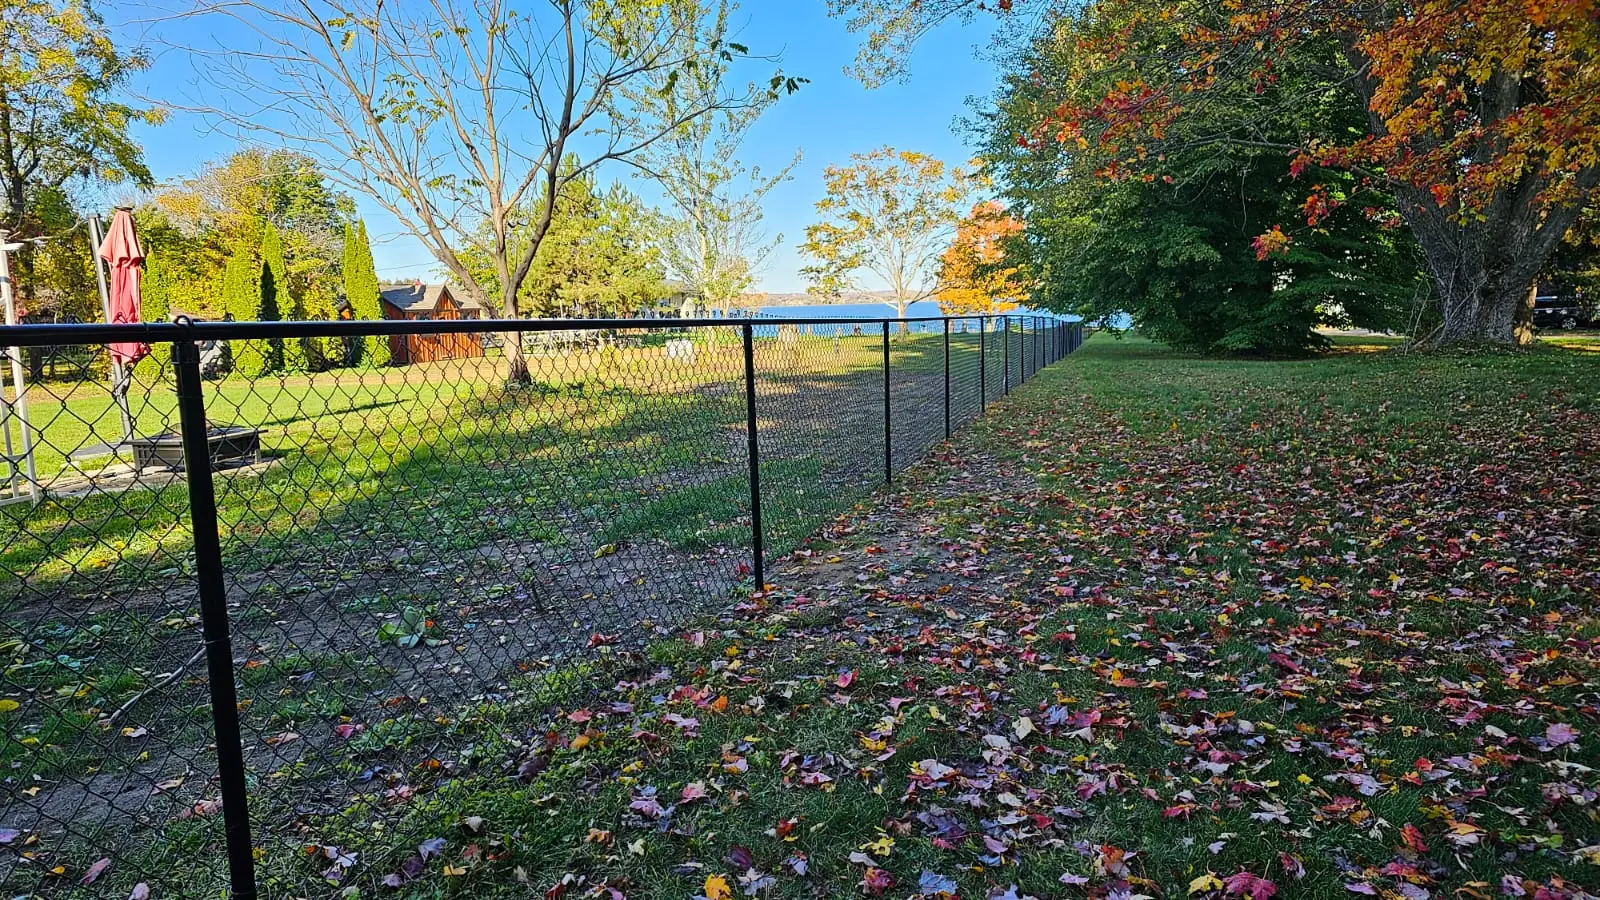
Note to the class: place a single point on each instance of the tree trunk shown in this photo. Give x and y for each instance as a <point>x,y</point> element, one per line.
<point>517,374</point>
<point>1523,328</point>
<point>1485,268</point>
<point>1485,309</point>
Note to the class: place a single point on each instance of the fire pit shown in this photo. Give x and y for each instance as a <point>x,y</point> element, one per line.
<point>228,445</point>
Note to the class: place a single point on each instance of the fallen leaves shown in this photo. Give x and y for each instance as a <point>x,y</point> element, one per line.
<point>1255,647</point>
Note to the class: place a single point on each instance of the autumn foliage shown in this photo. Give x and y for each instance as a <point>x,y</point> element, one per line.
<point>975,275</point>
<point>1483,120</point>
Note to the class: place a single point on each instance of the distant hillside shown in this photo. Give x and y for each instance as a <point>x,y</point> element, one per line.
<point>804,299</point>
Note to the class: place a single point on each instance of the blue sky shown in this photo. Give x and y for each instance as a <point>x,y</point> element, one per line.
<point>829,119</point>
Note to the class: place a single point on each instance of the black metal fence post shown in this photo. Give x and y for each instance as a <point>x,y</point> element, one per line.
<point>758,543</point>
<point>214,618</point>
<point>947,379</point>
<point>1005,355</point>
<point>983,359</point>
<point>888,447</point>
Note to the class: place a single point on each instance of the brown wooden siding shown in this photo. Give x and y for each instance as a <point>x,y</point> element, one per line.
<point>410,348</point>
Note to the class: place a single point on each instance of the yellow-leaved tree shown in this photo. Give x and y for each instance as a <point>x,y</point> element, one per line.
<point>888,214</point>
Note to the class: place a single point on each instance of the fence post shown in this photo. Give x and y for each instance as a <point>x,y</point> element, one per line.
<point>888,459</point>
<point>214,618</point>
<point>1005,355</point>
<point>758,542</point>
<point>983,359</point>
<point>947,379</point>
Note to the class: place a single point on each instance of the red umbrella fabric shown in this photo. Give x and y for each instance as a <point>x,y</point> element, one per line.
<point>123,256</point>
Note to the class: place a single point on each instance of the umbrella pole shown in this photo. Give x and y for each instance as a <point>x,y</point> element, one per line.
<point>18,406</point>
<point>119,375</point>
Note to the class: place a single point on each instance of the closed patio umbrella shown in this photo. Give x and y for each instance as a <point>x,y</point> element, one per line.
<point>123,257</point>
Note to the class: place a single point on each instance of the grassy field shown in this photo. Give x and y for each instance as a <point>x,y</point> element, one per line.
<point>1159,627</point>
<point>420,539</point>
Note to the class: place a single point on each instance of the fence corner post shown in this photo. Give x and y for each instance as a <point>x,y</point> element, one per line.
<point>758,549</point>
<point>214,619</point>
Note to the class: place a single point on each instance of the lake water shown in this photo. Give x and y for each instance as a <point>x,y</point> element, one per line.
<point>872,311</point>
<point>865,310</point>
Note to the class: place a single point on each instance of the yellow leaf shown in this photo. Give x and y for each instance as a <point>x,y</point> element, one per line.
<point>1206,882</point>
<point>7,705</point>
<point>717,888</point>
<point>882,846</point>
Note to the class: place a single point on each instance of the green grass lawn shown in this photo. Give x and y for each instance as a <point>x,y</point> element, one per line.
<point>1159,626</point>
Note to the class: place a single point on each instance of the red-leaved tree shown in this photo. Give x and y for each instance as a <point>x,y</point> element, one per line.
<point>1483,117</point>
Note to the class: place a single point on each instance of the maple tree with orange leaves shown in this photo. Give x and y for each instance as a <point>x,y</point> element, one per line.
<point>975,273</point>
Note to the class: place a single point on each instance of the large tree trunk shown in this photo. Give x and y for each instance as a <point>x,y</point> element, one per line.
<point>1485,266</point>
<point>1484,309</point>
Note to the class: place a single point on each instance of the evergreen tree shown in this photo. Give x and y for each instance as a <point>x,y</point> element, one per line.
<point>361,292</point>
<point>277,302</point>
<point>241,299</point>
<point>155,305</point>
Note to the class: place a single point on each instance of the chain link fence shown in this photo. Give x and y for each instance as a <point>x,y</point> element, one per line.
<point>243,609</point>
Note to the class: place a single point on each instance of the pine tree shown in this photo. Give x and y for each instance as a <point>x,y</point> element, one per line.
<point>277,302</point>
<point>361,292</point>
<point>241,299</point>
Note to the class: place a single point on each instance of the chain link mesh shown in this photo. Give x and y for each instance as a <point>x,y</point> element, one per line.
<point>415,557</point>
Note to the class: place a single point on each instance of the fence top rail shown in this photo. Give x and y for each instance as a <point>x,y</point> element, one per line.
<point>164,332</point>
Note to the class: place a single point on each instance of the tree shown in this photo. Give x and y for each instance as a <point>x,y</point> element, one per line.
<point>888,214</point>
<point>361,293</point>
<point>60,124</point>
<point>1481,119</point>
<point>456,140</point>
<point>597,257</point>
<point>241,299</point>
<point>155,305</point>
<point>713,240</point>
<point>1180,253</point>
<point>278,303</point>
<point>893,27</point>
<point>976,273</point>
<point>197,221</point>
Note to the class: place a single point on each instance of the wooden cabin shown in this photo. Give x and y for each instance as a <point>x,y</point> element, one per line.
<point>423,302</point>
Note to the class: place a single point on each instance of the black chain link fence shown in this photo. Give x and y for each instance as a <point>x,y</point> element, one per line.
<point>242,608</point>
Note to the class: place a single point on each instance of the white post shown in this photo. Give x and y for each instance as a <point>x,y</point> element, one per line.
<point>5,431</point>
<point>18,407</point>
